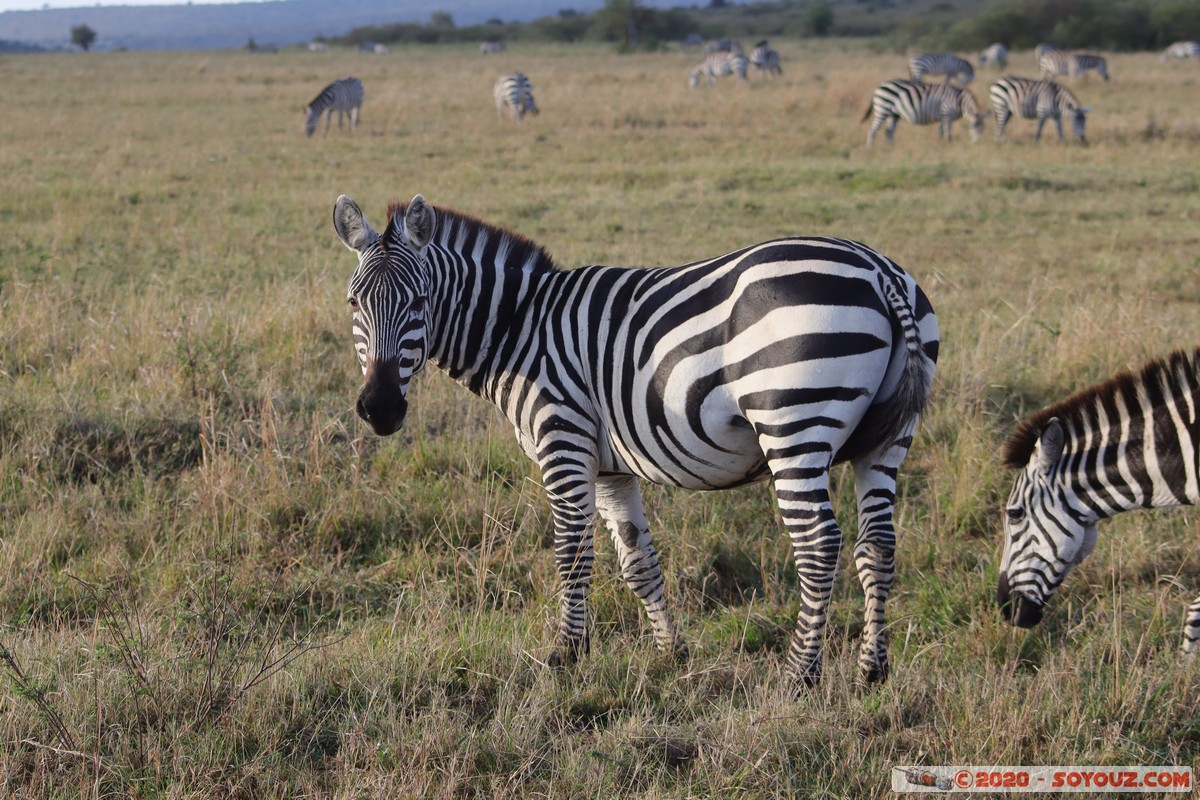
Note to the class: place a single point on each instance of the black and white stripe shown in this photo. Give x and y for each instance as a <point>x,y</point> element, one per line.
<point>1130,442</point>
<point>1040,100</point>
<point>1182,50</point>
<point>953,67</point>
<point>775,361</point>
<point>920,103</point>
<point>718,65</point>
<point>1053,63</point>
<point>515,93</point>
<point>766,59</point>
<point>345,96</point>
<point>995,55</point>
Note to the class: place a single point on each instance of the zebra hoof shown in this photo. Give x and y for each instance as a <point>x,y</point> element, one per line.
<point>804,682</point>
<point>565,655</point>
<point>873,674</point>
<point>679,651</point>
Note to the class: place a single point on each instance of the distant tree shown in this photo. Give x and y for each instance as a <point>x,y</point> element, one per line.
<point>83,37</point>
<point>819,18</point>
<point>441,19</point>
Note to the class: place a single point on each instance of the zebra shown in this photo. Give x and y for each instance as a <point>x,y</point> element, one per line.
<point>1041,100</point>
<point>923,104</point>
<point>953,67</point>
<point>515,92</point>
<point>766,59</point>
<point>489,48</point>
<point>1042,49</point>
<point>776,360</point>
<point>1055,62</point>
<point>345,96</point>
<point>1132,441</point>
<point>1181,50</point>
<point>716,65</point>
<point>995,56</point>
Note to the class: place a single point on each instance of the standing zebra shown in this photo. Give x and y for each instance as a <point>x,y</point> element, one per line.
<point>1182,50</point>
<point>345,96</point>
<point>775,361</point>
<point>514,92</point>
<point>1055,62</point>
<point>920,103</point>
<point>766,59</point>
<point>953,67</point>
<point>1042,49</point>
<point>716,65</point>
<point>1130,442</point>
<point>1040,100</point>
<point>994,56</point>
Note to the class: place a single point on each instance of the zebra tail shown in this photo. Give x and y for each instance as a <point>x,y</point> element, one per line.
<point>870,108</point>
<point>886,421</point>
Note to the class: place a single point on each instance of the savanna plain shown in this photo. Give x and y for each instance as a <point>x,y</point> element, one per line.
<point>216,583</point>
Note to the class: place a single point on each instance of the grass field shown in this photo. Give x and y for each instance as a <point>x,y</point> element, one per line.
<point>214,582</point>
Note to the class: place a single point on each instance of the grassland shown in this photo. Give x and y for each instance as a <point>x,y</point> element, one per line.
<point>214,582</point>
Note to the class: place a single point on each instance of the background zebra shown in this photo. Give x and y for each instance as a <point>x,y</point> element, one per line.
<point>953,67</point>
<point>1182,50</point>
<point>345,96</point>
<point>1131,442</point>
<point>1042,49</point>
<point>994,56</point>
<point>920,103</point>
<point>515,92</point>
<point>717,65</point>
<point>1040,100</point>
<point>766,59</point>
<point>1056,62</point>
<point>777,360</point>
<point>490,48</point>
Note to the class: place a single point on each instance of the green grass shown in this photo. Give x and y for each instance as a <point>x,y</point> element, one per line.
<point>214,582</point>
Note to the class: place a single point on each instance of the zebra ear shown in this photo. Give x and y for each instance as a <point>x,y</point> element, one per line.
<point>419,223</point>
<point>1050,444</point>
<point>351,226</point>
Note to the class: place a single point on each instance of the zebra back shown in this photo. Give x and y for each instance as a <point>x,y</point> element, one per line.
<point>1182,50</point>
<point>514,91</point>
<point>946,64</point>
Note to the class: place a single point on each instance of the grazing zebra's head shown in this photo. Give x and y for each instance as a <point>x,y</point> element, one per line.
<point>388,293</point>
<point>1048,530</point>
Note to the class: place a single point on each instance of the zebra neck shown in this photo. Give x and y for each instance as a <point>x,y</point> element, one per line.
<point>480,311</point>
<point>1149,459</point>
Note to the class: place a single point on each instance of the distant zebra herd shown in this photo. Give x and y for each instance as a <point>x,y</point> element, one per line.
<point>729,60</point>
<point>920,103</point>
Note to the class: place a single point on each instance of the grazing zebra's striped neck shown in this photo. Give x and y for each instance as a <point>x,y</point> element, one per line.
<point>1131,442</point>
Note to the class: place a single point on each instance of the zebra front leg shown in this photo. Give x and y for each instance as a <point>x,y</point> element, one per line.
<point>1191,628</point>
<point>802,492</point>
<point>875,549</point>
<point>571,491</point>
<point>619,501</point>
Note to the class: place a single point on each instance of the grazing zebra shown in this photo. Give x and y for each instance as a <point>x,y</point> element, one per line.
<point>1130,442</point>
<point>777,360</point>
<point>489,48</point>
<point>1182,50</point>
<point>716,65</point>
<point>920,103</point>
<point>1055,62</point>
<point>1040,100</point>
<point>515,92</point>
<point>345,96</point>
<point>994,56</point>
<point>953,67</point>
<point>766,59</point>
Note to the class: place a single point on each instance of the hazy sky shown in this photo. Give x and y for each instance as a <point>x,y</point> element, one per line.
<point>28,5</point>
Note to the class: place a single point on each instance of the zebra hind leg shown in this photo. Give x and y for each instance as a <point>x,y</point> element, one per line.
<point>619,502</point>
<point>572,503</point>
<point>1191,628</point>
<point>875,548</point>
<point>802,492</point>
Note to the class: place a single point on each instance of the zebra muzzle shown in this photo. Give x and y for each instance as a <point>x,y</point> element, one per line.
<point>1019,609</point>
<point>381,403</point>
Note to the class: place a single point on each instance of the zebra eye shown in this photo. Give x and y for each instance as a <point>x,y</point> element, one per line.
<point>352,301</point>
<point>1015,514</point>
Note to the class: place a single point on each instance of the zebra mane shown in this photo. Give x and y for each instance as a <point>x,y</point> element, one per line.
<point>1180,368</point>
<point>452,225</point>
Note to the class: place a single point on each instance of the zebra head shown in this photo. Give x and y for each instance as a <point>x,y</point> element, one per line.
<point>1079,123</point>
<point>1048,530</point>
<point>388,293</point>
